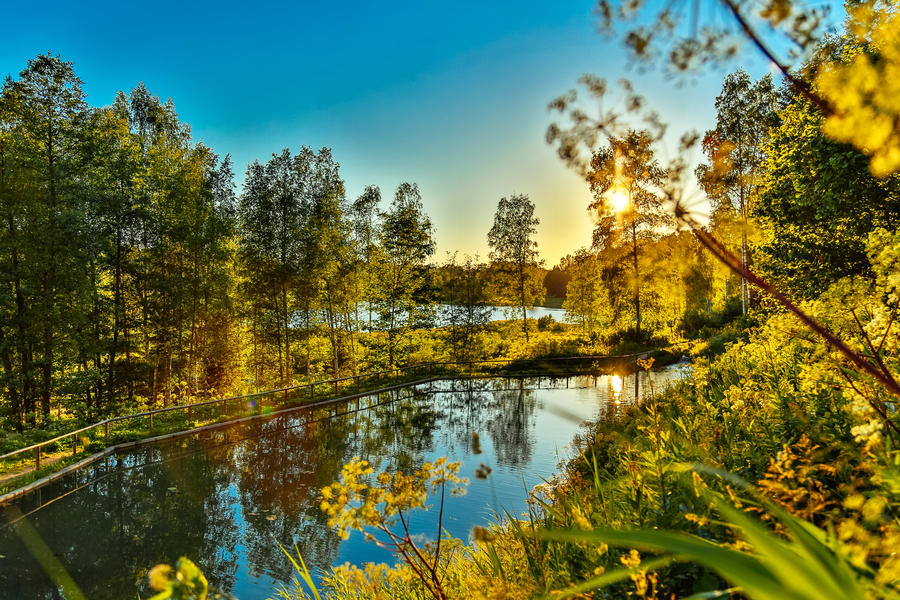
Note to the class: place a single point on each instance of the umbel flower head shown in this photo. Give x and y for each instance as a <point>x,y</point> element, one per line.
<point>358,500</point>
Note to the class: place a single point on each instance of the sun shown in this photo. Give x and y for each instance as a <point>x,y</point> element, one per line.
<point>618,199</point>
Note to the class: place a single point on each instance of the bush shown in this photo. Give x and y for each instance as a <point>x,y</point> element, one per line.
<point>544,323</point>
<point>698,322</point>
<point>630,341</point>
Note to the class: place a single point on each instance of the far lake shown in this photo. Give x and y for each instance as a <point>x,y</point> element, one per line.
<point>226,498</point>
<point>497,313</point>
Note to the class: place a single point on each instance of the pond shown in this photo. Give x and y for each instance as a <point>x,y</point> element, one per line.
<point>228,497</point>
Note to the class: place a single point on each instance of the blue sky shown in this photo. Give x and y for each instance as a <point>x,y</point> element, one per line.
<point>451,96</point>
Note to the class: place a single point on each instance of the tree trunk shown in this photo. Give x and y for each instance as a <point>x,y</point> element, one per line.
<point>744,286</point>
<point>49,277</point>
<point>637,282</point>
<point>287,340</point>
<point>522,301</point>
<point>117,323</point>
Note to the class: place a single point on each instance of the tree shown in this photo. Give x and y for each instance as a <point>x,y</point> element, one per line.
<point>271,226</point>
<point>115,205</point>
<point>746,110</point>
<point>817,205</point>
<point>44,113</point>
<point>363,216</point>
<point>624,177</point>
<point>587,298</point>
<point>183,247</point>
<point>514,251</point>
<point>328,260</point>
<point>556,281</point>
<point>402,299</point>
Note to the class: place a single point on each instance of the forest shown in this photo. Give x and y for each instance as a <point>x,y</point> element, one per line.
<point>140,272</point>
<point>135,275</point>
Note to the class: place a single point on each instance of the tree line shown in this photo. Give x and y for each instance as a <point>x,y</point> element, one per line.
<point>134,274</point>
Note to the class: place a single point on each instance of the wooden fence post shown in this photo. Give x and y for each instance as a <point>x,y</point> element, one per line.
<point>106,428</point>
<point>151,422</point>
<point>38,458</point>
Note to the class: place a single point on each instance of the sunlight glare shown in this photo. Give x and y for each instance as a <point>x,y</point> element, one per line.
<point>618,199</point>
<point>616,383</point>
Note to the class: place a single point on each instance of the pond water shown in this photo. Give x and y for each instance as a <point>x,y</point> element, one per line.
<point>227,498</point>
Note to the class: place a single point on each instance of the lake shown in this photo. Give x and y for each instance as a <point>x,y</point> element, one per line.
<point>226,498</point>
<point>497,313</point>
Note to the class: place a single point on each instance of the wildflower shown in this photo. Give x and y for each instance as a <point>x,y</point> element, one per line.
<point>159,577</point>
<point>872,509</point>
<point>701,521</point>
<point>631,560</point>
<point>580,520</point>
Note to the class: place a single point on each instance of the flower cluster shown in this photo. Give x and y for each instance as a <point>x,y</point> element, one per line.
<point>357,502</point>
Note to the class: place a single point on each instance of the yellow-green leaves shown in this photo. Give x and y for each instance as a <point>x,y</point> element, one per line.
<point>358,501</point>
<point>183,582</point>
<point>864,88</point>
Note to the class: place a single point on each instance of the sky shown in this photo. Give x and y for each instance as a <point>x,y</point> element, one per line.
<point>452,96</point>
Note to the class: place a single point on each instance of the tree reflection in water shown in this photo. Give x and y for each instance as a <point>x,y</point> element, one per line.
<point>228,497</point>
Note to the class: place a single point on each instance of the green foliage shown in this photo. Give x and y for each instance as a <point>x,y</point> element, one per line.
<point>587,299</point>
<point>114,251</point>
<point>546,322</point>
<point>556,282</point>
<point>514,253</point>
<point>745,111</point>
<point>818,203</point>
<point>298,263</point>
<point>701,321</point>
<point>402,299</point>
<point>626,169</point>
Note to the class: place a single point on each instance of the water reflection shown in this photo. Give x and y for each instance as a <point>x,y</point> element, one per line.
<point>228,497</point>
<point>615,384</point>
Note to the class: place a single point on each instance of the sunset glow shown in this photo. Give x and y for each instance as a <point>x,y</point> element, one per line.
<point>618,199</point>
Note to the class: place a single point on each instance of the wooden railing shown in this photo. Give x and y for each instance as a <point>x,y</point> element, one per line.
<point>306,393</point>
